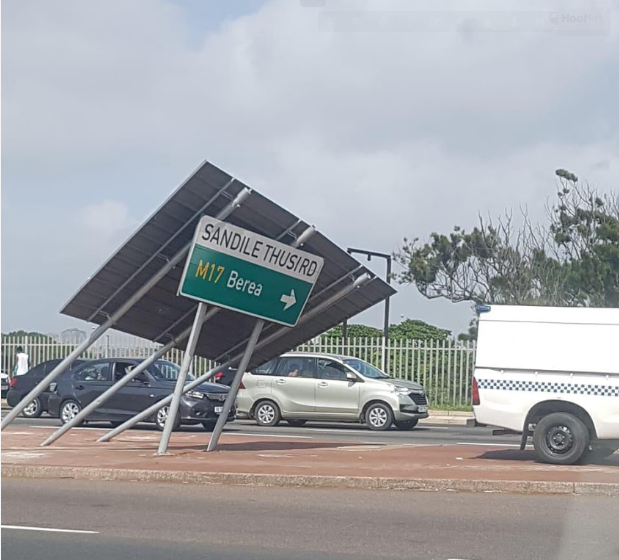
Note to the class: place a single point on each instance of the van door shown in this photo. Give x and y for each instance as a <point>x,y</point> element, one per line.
<point>336,396</point>
<point>294,386</point>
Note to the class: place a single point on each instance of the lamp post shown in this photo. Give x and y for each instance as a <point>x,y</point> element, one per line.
<point>369,255</point>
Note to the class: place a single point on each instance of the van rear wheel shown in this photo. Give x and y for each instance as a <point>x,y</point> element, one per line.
<point>560,439</point>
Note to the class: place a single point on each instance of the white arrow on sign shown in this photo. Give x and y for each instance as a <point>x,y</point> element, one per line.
<point>288,300</point>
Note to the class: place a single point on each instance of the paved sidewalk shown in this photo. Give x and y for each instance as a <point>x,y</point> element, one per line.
<point>245,459</point>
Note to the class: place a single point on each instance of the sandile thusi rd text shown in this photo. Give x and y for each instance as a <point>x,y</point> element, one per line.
<point>264,253</point>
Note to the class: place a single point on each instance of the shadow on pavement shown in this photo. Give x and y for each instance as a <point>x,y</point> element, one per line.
<point>277,445</point>
<point>529,456</point>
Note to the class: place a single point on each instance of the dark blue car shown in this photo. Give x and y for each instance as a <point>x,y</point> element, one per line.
<point>23,384</point>
<point>74,392</point>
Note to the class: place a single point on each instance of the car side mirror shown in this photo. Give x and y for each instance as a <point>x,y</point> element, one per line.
<point>351,377</point>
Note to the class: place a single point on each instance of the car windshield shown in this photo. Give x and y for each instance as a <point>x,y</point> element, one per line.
<point>165,370</point>
<point>365,369</point>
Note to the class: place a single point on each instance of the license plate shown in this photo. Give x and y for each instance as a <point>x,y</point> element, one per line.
<point>219,409</point>
<point>422,409</point>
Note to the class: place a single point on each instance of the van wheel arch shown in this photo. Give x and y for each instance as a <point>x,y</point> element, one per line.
<point>545,408</point>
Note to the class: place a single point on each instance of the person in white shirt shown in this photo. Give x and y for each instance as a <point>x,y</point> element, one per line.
<point>21,362</point>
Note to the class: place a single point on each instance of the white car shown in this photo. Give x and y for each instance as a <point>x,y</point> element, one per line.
<point>551,373</point>
<point>301,386</point>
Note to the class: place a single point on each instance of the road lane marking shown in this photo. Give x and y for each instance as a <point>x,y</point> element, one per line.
<point>489,444</point>
<point>48,529</point>
<point>266,435</point>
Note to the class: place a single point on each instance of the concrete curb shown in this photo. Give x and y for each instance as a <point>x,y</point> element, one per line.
<point>373,483</point>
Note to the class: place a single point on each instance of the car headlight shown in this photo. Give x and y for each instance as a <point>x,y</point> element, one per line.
<point>195,394</point>
<point>404,391</point>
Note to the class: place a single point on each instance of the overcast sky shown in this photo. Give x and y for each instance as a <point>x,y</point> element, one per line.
<point>372,125</point>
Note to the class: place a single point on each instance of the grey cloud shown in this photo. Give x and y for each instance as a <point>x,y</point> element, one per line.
<point>372,137</point>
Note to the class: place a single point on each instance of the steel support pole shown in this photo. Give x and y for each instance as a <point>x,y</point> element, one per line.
<point>234,388</point>
<point>84,413</point>
<point>99,331</point>
<point>182,376</point>
<point>222,216</point>
<point>38,389</point>
<point>360,281</point>
<point>386,322</point>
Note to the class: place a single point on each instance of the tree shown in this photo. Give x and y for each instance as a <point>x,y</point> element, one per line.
<point>409,329</point>
<point>33,335</point>
<point>573,260</point>
<point>413,329</point>
<point>355,331</point>
<point>585,229</point>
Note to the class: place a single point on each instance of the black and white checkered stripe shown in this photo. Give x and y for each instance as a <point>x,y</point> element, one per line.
<point>549,387</point>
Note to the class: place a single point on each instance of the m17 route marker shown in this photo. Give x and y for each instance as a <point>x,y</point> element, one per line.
<point>237,269</point>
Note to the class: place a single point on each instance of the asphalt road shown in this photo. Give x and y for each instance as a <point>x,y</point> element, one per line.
<point>158,521</point>
<point>424,433</point>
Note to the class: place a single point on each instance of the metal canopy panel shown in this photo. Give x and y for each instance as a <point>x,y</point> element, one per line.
<point>161,314</point>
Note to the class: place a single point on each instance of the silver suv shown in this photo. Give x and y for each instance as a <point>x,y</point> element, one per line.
<point>301,386</point>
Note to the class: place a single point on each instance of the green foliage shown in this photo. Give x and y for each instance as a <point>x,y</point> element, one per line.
<point>39,347</point>
<point>413,329</point>
<point>355,331</point>
<point>409,329</point>
<point>32,335</point>
<point>572,261</point>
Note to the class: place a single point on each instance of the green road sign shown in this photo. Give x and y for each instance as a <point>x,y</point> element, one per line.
<point>237,269</point>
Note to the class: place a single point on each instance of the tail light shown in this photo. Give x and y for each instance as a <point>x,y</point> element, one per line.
<point>12,383</point>
<point>241,386</point>
<point>476,400</point>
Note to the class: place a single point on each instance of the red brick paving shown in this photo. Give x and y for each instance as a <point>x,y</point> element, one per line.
<point>273,455</point>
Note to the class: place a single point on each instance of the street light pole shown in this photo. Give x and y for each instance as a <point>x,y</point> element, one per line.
<point>387,257</point>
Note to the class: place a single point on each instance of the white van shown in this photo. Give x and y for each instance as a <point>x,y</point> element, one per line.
<point>551,373</point>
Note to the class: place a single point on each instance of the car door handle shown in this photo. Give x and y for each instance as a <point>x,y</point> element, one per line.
<point>280,381</point>
<point>80,387</point>
<point>323,384</point>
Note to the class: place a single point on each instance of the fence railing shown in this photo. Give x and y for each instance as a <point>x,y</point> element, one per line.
<point>443,367</point>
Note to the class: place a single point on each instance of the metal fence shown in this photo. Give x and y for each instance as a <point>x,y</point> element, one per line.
<point>443,367</point>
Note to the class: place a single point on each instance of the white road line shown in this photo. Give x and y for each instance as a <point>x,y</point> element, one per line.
<point>48,529</point>
<point>489,444</point>
<point>265,435</point>
<point>78,428</point>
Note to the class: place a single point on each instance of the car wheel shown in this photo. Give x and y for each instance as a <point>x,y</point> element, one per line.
<point>405,425</point>
<point>560,439</point>
<point>69,410</point>
<point>33,409</point>
<point>161,416</point>
<point>267,414</point>
<point>297,423</point>
<point>209,425</point>
<point>379,417</point>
